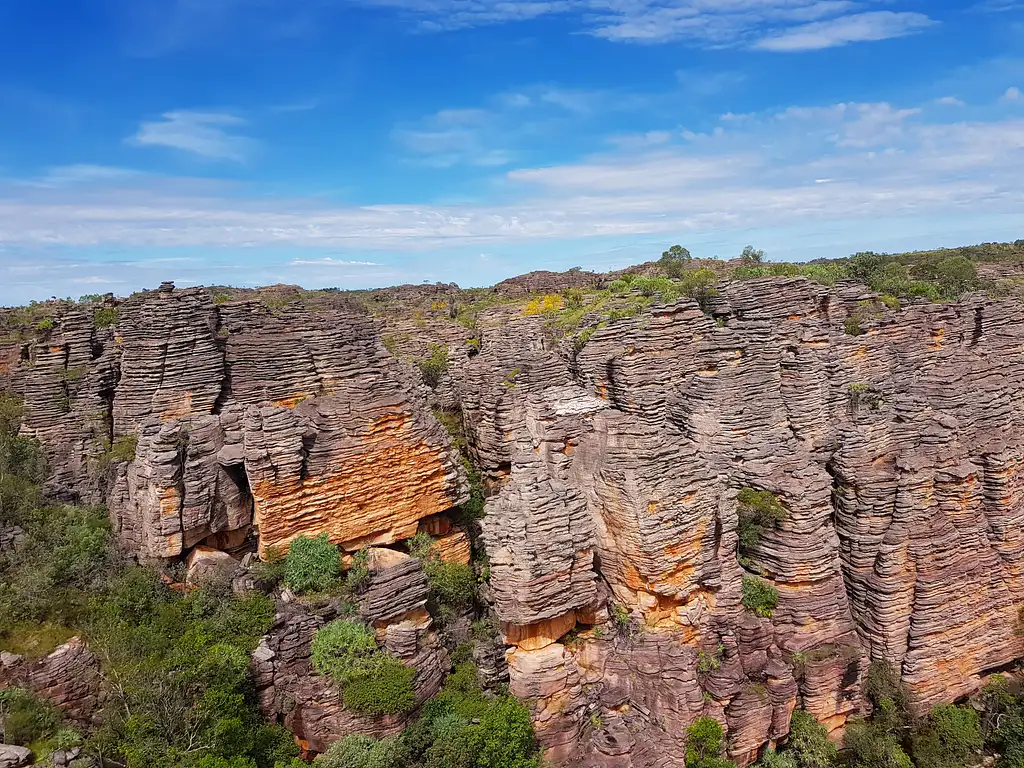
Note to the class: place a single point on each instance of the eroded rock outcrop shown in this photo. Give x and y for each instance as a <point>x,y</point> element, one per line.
<point>69,678</point>
<point>612,460</point>
<point>311,705</point>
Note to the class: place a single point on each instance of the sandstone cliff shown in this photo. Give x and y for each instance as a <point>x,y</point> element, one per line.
<point>613,454</point>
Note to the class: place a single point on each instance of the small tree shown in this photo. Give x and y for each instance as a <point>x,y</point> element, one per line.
<point>674,261</point>
<point>949,739</point>
<point>703,741</point>
<point>752,255</point>
<point>434,366</point>
<point>956,275</point>
<point>676,255</point>
<point>808,742</point>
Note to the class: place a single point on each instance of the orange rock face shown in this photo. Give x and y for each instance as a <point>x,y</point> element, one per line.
<point>361,483</point>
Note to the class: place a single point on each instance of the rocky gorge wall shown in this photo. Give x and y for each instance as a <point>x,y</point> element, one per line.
<point>612,465</point>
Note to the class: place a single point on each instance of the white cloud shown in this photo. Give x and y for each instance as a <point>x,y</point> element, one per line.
<point>793,24</point>
<point>1012,94</point>
<point>951,101</point>
<point>82,173</point>
<point>806,166</point>
<point>207,134</point>
<point>858,28</point>
<point>327,261</point>
<point>702,83</point>
<point>492,136</point>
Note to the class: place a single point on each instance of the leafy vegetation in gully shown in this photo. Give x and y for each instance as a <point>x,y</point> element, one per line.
<point>177,661</point>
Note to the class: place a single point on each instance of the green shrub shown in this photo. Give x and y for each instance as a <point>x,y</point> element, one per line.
<point>703,741</point>
<point>852,326</point>
<point>452,585</point>
<point>759,511</point>
<point>124,448</point>
<point>504,738</point>
<point>345,650</point>
<point>46,324</point>
<point>871,746</point>
<point>435,365</point>
<point>759,596</point>
<point>311,564</point>
<point>359,751</point>
<point>949,738</point>
<point>773,759</point>
<point>105,317</point>
<point>358,573</point>
<point>808,742</point>
<point>956,275</point>
<point>699,286</point>
<point>826,274</point>
<point>883,685</point>
<point>387,691</point>
<point>25,718</point>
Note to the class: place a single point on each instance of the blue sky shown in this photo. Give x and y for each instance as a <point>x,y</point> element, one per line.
<point>357,143</point>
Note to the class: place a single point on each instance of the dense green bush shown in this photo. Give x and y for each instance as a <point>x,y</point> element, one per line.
<point>452,585</point>
<point>703,741</point>
<point>388,690</point>
<point>311,564</point>
<point>759,511</point>
<point>435,365</point>
<point>25,718</point>
<point>65,552</point>
<point>808,742</point>
<point>22,465</point>
<point>105,317</point>
<point>372,681</point>
<point>873,746</point>
<point>346,649</point>
<point>359,751</point>
<point>949,738</point>
<point>759,596</point>
<point>123,449</point>
<point>773,759</point>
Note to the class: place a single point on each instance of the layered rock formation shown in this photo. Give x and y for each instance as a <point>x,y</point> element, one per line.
<point>294,421</point>
<point>894,454</point>
<point>613,454</point>
<point>310,705</point>
<point>69,678</point>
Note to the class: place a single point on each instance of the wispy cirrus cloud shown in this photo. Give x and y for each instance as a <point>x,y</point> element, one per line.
<point>81,173</point>
<point>493,135</point>
<point>770,25</point>
<point>858,28</point>
<point>210,135</point>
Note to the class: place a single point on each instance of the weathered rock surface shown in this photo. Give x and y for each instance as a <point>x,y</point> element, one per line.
<point>894,454</point>
<point>393,602</point>
<point>612,465</point>
<point>12,756</point>
<point>69,677</point>
<point>299,422</point>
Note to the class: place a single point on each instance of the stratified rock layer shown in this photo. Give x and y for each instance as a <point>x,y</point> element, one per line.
<point>612,462</point>
<point>237,413</point>
<point>894,454</point>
